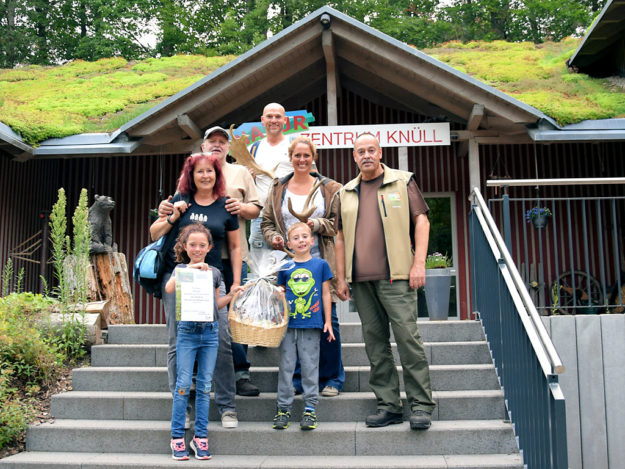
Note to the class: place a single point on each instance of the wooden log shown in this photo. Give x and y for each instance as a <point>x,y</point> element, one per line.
<point>111,275</point>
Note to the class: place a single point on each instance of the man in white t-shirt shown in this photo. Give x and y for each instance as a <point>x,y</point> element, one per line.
<point>271,154</point>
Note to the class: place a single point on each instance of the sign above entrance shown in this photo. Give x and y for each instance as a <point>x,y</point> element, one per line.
<point>389,135</point>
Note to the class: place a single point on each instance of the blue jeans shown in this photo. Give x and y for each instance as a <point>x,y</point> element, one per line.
<point>195,340</point>
<point>239,351</point>
<point>331,371</point>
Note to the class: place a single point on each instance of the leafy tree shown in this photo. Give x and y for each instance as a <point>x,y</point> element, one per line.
<point>52,31</point>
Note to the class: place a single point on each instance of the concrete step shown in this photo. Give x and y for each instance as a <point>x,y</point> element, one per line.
<point>431,331</point>
<point>254,438</point>
<point>438,353</point>
<point>154,379</point>
<point>44,460</point>
<point>110,405</point>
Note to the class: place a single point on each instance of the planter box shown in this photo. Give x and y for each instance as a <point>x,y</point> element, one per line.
<point>437,292</point>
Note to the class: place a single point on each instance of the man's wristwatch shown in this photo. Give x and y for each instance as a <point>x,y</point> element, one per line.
<point>169,219</point>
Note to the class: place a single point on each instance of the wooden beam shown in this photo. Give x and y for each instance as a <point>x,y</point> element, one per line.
<point>474,164</point>
<point>188,126</point>
<point>331,76</point>
<point>475,118</point>
<point>460,135</point>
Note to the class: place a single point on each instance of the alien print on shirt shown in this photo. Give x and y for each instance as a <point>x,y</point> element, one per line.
<point>302,283</point>
<point>304,287</point>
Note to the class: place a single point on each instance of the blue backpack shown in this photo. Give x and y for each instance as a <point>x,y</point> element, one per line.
<point>149,264</point>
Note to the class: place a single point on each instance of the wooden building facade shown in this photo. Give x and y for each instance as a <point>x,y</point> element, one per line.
<point>342,72</point>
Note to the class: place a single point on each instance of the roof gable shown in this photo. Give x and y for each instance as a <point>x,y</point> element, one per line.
<point>602,51</point>
<point>293,66</point>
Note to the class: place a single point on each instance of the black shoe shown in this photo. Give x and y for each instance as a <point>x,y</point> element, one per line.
<point>420,420</point>
<point>382,418</point>
<point>245,388</point>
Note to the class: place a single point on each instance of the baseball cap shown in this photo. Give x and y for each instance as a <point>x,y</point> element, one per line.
<point>223,131</point>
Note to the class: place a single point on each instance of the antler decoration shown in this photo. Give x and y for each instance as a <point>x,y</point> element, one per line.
<point>308,210</point>
<point>239,151</point>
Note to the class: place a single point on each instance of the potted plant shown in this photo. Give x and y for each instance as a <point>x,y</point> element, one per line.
<point>538,216</point>
<point>437,285</point>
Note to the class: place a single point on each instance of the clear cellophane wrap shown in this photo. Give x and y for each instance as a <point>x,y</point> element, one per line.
<point>262,303</point>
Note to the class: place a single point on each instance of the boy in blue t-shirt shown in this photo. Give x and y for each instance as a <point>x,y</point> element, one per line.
<point>307,287</point>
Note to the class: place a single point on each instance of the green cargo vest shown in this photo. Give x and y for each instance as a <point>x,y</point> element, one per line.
<point>395,214</point>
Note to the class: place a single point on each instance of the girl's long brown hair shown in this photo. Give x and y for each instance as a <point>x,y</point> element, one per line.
<point>179,250</point>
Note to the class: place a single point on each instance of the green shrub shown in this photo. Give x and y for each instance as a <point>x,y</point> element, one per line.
<point>14,414</point>
<point>24,351</point>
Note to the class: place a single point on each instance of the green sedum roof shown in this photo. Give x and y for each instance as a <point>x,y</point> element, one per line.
<point>81,97</point>
<point>536,74</point>
<point>44,102</point>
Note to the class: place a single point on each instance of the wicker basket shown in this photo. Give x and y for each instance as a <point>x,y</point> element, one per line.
<point>256,335</point>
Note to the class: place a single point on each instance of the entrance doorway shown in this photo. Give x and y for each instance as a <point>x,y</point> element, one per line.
<point>443,239</point>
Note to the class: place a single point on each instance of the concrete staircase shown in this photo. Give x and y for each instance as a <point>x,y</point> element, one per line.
<point>118,413</point>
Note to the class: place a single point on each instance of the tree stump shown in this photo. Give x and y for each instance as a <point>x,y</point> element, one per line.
<point>109,274</point>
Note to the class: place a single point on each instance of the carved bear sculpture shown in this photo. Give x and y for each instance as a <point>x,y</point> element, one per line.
<point>101,226</point>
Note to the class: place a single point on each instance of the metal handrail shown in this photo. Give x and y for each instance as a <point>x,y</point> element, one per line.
<point>553,364</point>
<point>553,182</point>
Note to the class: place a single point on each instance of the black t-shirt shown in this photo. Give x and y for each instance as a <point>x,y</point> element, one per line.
<point>215,217</point>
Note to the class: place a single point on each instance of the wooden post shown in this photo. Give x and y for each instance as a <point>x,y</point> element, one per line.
<point>110,274</point>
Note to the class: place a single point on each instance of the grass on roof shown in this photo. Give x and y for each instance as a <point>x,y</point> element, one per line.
<point>45,102</point>
<point>536,74</point>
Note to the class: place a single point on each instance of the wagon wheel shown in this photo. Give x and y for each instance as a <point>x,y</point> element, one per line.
<point>570,293</point>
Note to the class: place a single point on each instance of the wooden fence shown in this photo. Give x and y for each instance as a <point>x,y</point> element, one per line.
<point>592,348</point>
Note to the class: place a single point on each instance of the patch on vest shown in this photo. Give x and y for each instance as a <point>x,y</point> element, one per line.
<point>394,200</point>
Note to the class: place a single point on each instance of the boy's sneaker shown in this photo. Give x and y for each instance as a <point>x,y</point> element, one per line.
<point>200,448</point>
<point>281,420</point>
<point>229,419</point>
<point>309,420</point>
<point>178,449</point>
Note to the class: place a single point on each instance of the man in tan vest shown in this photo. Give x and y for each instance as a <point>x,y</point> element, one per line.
<point>382,241</point>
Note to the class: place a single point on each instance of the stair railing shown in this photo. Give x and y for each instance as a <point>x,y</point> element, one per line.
<point>526,360</point>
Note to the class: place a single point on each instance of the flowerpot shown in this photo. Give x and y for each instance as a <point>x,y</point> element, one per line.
<point>437,291</point>
<point>540,221</point>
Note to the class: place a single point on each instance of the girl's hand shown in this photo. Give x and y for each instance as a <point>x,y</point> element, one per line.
<point>181,206</point>
<point>327,327</point>
<point>199,265</point>
<point>234,289</point>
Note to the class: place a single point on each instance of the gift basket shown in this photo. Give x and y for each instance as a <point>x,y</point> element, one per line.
<point>259,315</point>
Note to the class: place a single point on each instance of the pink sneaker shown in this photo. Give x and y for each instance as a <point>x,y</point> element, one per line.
<point>200,448</point>
<point>178,449</point>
